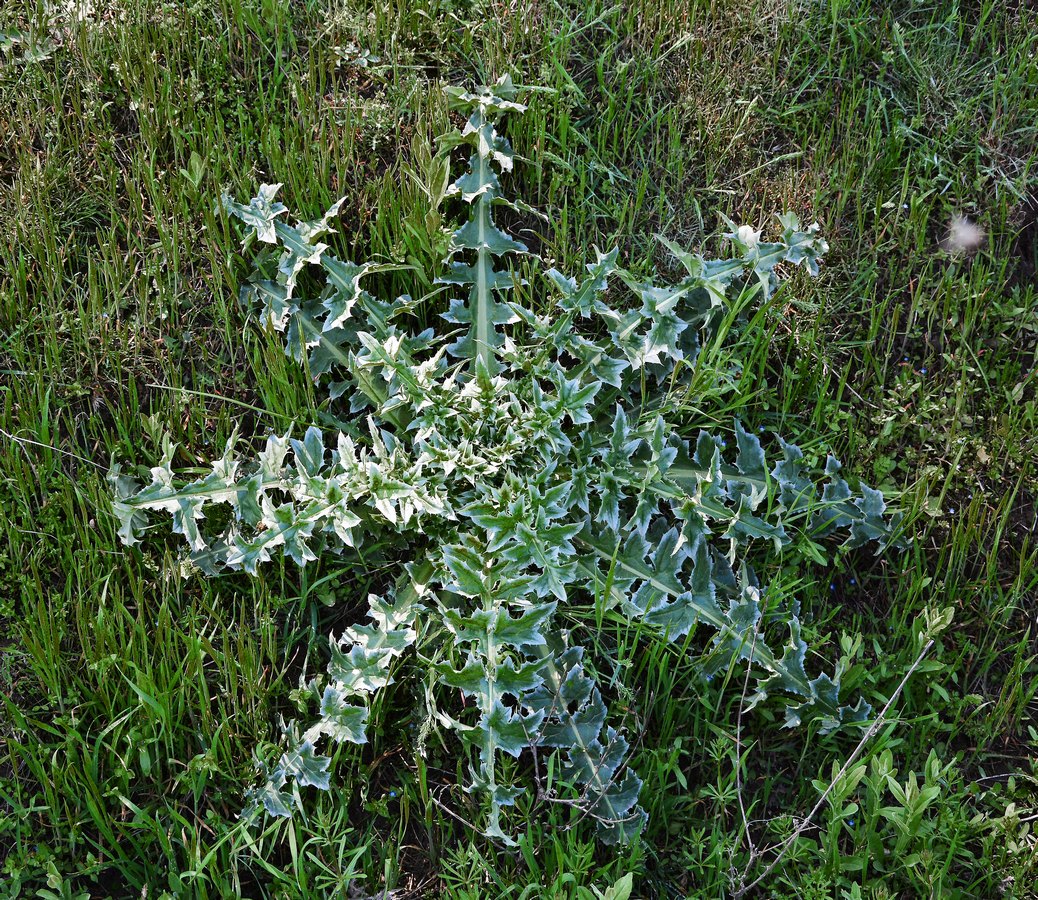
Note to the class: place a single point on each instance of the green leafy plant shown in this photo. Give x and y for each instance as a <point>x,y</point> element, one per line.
<point>510,468</point>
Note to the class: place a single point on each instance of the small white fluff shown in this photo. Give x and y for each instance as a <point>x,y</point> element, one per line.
<point>964,236</point>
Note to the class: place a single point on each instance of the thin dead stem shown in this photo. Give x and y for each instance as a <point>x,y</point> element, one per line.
<point>743,889</point>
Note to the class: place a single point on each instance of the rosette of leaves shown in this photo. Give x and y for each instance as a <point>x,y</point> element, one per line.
<point>531,460</point>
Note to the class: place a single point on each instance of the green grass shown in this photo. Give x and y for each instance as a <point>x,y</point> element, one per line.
<point>133,698</point>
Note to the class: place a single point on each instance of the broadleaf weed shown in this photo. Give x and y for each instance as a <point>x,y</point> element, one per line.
<point>509,464</point>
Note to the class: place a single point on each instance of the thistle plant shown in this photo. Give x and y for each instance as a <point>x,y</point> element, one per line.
<point>512,467</point>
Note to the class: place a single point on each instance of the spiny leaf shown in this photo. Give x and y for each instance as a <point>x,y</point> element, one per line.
<point>260,213</point>
<point>342,720</point>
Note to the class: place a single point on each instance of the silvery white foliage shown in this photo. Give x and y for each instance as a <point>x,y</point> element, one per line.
<point>479,238</point>
<point>511,455</point>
